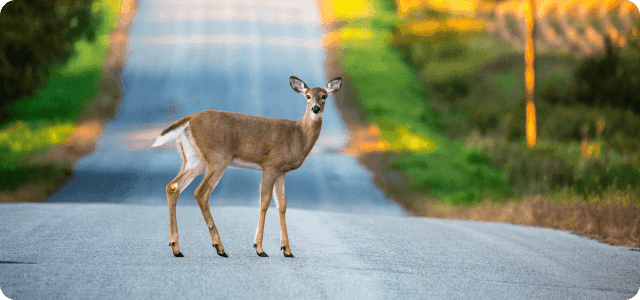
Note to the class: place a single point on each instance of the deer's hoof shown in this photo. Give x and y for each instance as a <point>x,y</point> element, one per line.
<point>261,254</point>
<point>223,254</point>
<point>284,251</point>
<point>179,254</point>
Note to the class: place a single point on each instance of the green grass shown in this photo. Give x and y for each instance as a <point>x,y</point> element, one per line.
<point>394,98</point>
<point>473,85</point>
<point>556,166</point>
<point>475,51</point>
<point>47,117</point>
<point>61,100</point>
<point>485,95</point>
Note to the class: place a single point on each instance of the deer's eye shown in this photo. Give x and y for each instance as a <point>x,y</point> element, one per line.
<point>308,97</point>
<point>324,96</point>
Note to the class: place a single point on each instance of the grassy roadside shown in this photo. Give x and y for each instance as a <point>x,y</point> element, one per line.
<point>423,168</point>
<point>393,99</point>
<point>50,130</point>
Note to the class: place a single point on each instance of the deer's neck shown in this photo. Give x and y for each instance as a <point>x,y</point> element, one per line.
<point>311,131</point>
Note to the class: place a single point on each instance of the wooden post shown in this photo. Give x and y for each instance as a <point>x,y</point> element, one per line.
<point>529,57</point>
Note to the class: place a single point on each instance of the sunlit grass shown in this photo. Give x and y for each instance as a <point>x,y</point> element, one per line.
<point>477,52</point>
<point>356,34</point>
<point>406,6</point>
<point>61,99</point>
<point>25,137</point>
<point>353,9</point>
<point>21,140</point>
<point>90,55</point>
<point>431,27</point>
<point>113,7</point>
<point>404,139</point>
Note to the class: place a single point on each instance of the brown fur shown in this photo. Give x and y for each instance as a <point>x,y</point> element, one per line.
<point>276,145</point>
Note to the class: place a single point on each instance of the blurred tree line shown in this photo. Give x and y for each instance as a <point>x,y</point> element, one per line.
<point>612,79</point>
<point>35,37</point>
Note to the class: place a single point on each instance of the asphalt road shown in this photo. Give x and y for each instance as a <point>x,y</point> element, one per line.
<point>120,251</point>
<point>104,235</point>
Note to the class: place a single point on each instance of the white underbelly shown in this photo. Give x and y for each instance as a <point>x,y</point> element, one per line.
<point>238,163</point>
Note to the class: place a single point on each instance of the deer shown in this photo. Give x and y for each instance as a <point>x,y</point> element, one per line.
<point>210,141</point>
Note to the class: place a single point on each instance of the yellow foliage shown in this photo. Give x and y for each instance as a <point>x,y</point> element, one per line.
<point>565,8</point>
<point>367,140</point>
<point>112,5</point>
<point>356,34</point>
<point>22,137</point>
<point>464,24</point>
<point>590,150</point>
<point>353,9</point>
<point>409,140</point>
<point>430,27</point>
<point>346,10</point>
<point>425,28</point>
<point>405,6</point>
<point>469,6</point>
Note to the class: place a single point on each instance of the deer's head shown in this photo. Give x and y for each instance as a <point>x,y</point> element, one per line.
<point>316,96</point>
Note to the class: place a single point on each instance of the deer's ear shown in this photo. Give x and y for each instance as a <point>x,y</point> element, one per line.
<point>334,85</point>
<point>298,85</point>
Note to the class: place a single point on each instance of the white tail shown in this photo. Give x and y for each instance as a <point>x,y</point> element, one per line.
<point>170,135</point>
<point>214,140</point>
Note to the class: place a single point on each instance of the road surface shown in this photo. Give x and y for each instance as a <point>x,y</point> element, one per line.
<point>120,251</point>
<point>105,235</point>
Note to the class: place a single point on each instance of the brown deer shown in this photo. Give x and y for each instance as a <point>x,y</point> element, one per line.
<point>213,140</point>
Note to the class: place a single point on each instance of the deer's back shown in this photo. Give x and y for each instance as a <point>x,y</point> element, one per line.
<point>253,139</point>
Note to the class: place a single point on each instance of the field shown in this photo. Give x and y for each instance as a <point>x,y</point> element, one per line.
<point>447,98</point>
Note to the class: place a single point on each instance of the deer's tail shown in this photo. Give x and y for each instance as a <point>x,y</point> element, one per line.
<point>172,132</point>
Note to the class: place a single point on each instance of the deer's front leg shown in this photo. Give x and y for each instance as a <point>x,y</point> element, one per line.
<point>202,194</point>
<point>281,203</point>
<point>266,189</point>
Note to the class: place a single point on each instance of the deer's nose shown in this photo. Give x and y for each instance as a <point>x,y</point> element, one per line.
<point>315,109</point>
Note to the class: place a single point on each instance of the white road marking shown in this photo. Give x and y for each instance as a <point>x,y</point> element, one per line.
<point>279,12</point>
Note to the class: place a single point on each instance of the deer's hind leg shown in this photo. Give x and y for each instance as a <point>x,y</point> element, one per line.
<point>202,194</point>
<point>186,175</point>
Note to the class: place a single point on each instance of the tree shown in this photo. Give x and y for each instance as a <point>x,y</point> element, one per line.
<point>35,36</point>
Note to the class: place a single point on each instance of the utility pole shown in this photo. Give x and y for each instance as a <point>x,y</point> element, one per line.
<point>529,75</point>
